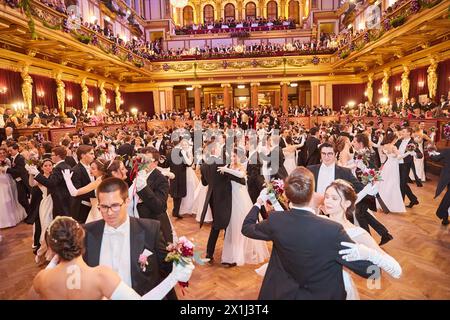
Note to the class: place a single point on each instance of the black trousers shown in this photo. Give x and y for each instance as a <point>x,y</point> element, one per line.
<point>22,196</point>
<point>176,207</point>
<point>212,240</point>
<point>404,187</point>
<point>442,211</point>
<point>365,219</point>
<point>83,214</point>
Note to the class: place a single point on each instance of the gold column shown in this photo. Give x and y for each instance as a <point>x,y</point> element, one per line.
<point>27,88</point>
<point>198,99</point>
<point>432,78</point>
<point>315,99</point>
<point>169,98</point>
<point>207,100</point>
<point>369,87</point>
<point>118,97</point>
<point>102,94</point>
<point>385,83</point>
<point>60,91</point>
<point>284,96</point>
<point>405,82</point>
<point>84,94</point>
<point>277,100</point>
<point>254,94</point>
<point>226,95</point>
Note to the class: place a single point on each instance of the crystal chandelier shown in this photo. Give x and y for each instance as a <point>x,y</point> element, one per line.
<point>179,3</point>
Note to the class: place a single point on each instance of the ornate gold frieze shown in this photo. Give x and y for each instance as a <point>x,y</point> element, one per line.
<point>298,62</point>
<point>208,66</point>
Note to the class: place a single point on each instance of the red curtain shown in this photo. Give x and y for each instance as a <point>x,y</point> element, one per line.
<point>377,93</point>
<point>443,79</point>
<point>343,93</point>
<point>417,77</point>
<point>395,90</point>
<point>73,89</point>
<point>95,95</point>
<point>143,101</point>
<point>110,96</point>
<point>12,82</point>
<point>47,87</point>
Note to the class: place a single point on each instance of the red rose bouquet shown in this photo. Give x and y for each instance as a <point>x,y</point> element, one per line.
<point>276,196</point>
<point>370,176</point>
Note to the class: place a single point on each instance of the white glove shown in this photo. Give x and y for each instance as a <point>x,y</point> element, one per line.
<point>67,175</point>
<point>263,196</point>
<point>141,180</point>
<point>355,252</point>
<point>373,190</point>
<point>166,172</point>
<point>434,153</point>
<point>32,170</point>
<point>182,273</point>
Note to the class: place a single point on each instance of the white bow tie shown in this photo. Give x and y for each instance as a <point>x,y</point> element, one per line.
<point>113,231</point>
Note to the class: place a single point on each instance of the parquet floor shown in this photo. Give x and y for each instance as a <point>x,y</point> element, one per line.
<point>421,245</point>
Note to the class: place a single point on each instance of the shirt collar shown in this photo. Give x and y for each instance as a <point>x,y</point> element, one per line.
<point>122,229</point>
<point>324,166</point>
<point>303,208</point>
<point>58,162</point>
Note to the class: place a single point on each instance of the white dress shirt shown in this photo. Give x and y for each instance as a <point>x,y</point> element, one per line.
<point>2,121</point>
<point>115,250</point>
<point>304,209</point>
<point>402,149</point>
<point>158,144</point>
<point>88,170</point>
<point>325,178</point>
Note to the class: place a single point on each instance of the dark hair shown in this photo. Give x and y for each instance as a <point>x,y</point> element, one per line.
<point>362,138</point>
<point>340,143</point>
<point>83,149</point>
<point>409,129</point>
<point>47,146</point>
<point>113,165</point>
<point>390,136</point>
<point>150,150</point>
<point>65,237</point>
<point>299,186</point>
<point>85,139</point>
<point>60,152</point>
<point>346,192</point>
<point>101,166</point>
<point>65,142</point>
<point>113,184</point>
<point>14,145</point>
<point>326,145</point>
<point>313,131</point>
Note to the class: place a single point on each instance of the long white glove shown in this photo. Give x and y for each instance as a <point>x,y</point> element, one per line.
<point>141,180</point>
<point>236,173</point>
<point>369,189</point>
<point>187,159</point>
<point>67,175</point>
<point>179,273</point>
<point>361,252</point>
<point>32,170</point>
<point>166,172</point>
<point>404,155</point>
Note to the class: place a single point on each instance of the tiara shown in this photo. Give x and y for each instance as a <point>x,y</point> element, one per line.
<point>57,219</point>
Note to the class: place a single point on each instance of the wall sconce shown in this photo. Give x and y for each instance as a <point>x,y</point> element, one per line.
<point>351,104</point>
<point>107,18</point>
<point>108,100</point>
<point>241,86</point>
<point>384,100</point>
<point>69,97</point>
<point>91,99</point>
<point>361,26</point>
<point>365,93</point>
<point>99,109</point>
<point>93,19</point>
<point>294,84</point>
<point>189,88</point>
<point>18,106</point>
<point>421,84</point>
<point>40,93</point>
<point>397,88</point>
<point>121,101</point>
<point>242,98</point>
<point>134,110</point>
<point>3,90</point>
<point>379,90</point>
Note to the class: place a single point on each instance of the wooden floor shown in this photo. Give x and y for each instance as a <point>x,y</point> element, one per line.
<point>421,245</point>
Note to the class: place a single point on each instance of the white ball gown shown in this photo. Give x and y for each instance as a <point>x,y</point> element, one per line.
<point>289,160</point>
<point>45,217</point>
<point>12,212</point>
<point>389,187</point>
<point>199,202</point>
<point>419,164</point>
<point>236,247</point>
<point>192,182</point>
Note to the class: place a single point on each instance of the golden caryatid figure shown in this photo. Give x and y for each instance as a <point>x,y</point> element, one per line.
<point>385,83</point>
<point>432,78</point>
<point>102,94</point>
<point>60,91</point>
<point>27,88</point>
<point>118,98</point>
<point>405,83</point>
<point>369,87</point>
<point>84,94</point>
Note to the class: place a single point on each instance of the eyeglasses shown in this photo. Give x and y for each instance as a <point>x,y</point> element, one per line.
<point>115,207</point>
<point>329,154</point>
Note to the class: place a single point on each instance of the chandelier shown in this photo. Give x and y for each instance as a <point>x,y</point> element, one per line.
<point>179,3</point>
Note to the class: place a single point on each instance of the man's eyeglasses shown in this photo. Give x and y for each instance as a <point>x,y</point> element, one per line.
<point>115,207</point>
<point>327,154</point>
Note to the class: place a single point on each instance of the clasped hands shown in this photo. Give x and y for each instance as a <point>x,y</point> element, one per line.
<point>33,170</point>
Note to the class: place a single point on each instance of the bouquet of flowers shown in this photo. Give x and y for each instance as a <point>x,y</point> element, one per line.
<point>363,156</point>
<point>182,252</point>
<point>138,163</point>
<point>276,195</point>
<point>411,147</point>
<point>33,162</point>
<point>370,176</point>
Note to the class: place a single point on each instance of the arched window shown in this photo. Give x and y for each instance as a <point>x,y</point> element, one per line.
<point>188,15</point>
<point>250,10</point>
<point>229,12</point>
<point>294,9</point>
<point>208,13</point>
<point>272,10</point>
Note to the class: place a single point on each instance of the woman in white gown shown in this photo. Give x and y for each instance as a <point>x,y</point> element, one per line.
<point>236,247</point>
<point>419,164</point>
<point>45,210</point>
<point>339,202</point>
<point>199,201</point>
<point>192,182</point>
<point>12,212</point>
<point>290,161</point>
<point>389,186</point>
<point>66,242</point>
